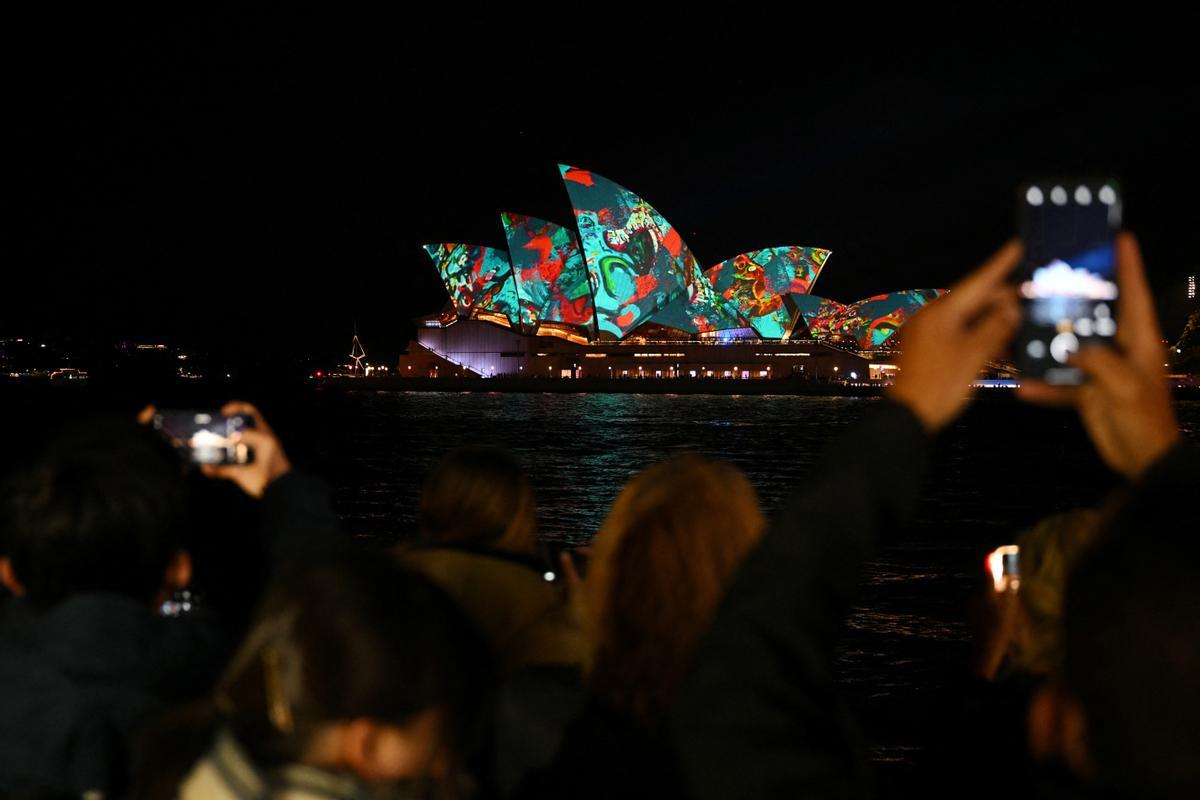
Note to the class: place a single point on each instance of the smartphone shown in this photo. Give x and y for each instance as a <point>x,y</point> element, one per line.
<point>1068,281</point>
<point>1004,564</point>
<point>206,437</point>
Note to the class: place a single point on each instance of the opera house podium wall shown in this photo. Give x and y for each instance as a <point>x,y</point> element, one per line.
<point>480,348</point>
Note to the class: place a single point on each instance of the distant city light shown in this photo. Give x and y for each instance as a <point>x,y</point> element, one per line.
<point>1034,196</point>
<point>1191,287</point>
<point>1058,196</point>
<point>1083,196</point>
<point>1107,195</point>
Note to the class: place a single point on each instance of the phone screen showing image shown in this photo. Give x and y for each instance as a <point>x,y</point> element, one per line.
<point>1068,282</point>
<point>206,437</point>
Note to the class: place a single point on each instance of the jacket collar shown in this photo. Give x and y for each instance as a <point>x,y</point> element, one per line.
<point>247,782</point>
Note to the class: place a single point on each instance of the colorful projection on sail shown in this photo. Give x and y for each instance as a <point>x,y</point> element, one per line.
<point>756,284</point>
<point>551,277</point>
<point>477,278</point>
<point>640,263</point>
<point>870,322</point>
<point>630,266</point>
<point>707,312</point>
<point>818,313</point>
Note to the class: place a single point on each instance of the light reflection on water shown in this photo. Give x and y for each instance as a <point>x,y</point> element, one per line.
<point>578,449</point>
<point>995,472</point>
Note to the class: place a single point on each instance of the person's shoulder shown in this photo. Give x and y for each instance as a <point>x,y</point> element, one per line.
<point>111,646</point>
<point>61,727</point>
<point>499,571</point>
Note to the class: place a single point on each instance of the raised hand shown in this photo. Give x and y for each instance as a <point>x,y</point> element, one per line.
<point>949,341</point>
<point>270,462</point>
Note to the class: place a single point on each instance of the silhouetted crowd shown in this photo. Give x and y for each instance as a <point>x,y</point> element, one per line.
<point>687,652</point>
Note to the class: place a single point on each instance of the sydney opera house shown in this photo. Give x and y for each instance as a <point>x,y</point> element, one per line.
<point>622,296</point>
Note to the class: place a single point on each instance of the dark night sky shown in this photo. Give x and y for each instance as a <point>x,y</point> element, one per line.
<point>262,184</point>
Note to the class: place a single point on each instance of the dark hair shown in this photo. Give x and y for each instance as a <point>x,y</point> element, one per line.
<point>479,495</point>
<point>98,510</point>
<point>1132,646</point>
<point>353,636</point>
<point>661,562</point>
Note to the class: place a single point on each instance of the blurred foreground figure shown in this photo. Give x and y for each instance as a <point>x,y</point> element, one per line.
<point>357,679</point>
<point>93,545</point>
<point>663,558</point>
<point>982,718</point>
<point>1125,715</point>
<point>477,516</point>
<point>1023,637</point>
<point>759,716</point>
<point>92,548</point>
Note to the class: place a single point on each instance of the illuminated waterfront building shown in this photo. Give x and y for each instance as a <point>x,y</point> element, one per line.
<point>627,298</point>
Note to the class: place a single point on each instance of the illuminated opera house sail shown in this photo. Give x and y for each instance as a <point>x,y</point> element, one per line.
<point>620,294</point>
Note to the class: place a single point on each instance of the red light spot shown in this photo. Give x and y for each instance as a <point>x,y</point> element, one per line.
<point>579,176</point>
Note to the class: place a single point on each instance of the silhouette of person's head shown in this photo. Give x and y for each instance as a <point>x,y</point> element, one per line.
<point>358,665</point>
<point>661,562</point>
<point>1032,637</point>
<point>480,496</point>
<point>99,509</point>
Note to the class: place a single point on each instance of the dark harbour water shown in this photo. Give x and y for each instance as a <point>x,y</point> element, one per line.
<point>1000,468</point>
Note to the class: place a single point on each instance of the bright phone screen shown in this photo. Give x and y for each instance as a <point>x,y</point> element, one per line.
<point>1068,287</point>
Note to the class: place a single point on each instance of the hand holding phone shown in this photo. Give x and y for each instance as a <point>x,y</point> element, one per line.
<point>270,462</point>
<point>1125,405</point>
<point>206,437</point>
<point>950,340</point>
